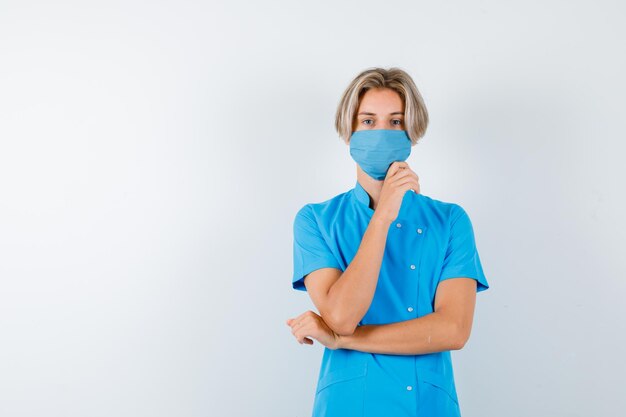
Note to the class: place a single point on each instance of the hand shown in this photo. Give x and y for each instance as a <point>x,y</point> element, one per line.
<point>311,325</point>
<point>399,179</point>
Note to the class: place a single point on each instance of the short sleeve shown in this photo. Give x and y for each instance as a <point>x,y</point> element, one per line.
<point>461,258</point>
<point>310,250</point>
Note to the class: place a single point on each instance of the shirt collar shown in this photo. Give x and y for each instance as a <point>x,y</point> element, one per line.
<point>361,195</point>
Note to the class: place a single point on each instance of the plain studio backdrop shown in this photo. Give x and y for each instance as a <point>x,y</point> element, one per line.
<point>153,156</point>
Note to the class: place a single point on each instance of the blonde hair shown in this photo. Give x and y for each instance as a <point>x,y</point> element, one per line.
<point>415,113</point>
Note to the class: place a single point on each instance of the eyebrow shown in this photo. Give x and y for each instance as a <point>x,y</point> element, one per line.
<point>374,114</point>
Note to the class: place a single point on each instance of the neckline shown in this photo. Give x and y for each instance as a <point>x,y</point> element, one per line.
<point>363,199</point>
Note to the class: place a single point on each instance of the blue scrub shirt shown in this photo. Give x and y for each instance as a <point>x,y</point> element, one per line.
<point>429,241</point>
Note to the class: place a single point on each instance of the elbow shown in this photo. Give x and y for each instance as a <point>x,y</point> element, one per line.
<point>459,338</point>
<point>346,330</point>
<point>341,325</point>
<point>458,344</point>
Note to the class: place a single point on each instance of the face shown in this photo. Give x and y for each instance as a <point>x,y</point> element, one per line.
<point>380,108</point>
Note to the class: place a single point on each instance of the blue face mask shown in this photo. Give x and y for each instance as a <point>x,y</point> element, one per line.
<point>374,150</point>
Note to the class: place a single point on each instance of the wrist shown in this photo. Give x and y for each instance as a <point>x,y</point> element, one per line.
<point>380,220</point>
<point>345,341</point>
<point>340,342</point>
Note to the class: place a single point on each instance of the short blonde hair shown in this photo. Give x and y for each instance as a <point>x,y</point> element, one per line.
<point>415,113</point>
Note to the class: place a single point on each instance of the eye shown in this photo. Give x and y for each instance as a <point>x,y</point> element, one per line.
<point>397,120</point>
<point>366,120</point>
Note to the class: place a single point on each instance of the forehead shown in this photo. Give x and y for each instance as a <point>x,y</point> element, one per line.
<point>381,100</point>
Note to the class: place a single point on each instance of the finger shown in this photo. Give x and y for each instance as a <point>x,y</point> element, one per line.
<point>416,188</point>
<point>408,180</point>
<point>415,177</point>
<point>405,172</point>
<point>302,339</point>
<point>417,183</point>
<point>398,166</point>
<point>401,173</point>
<point>395,167</point>
<point>299,335</point>
<point>407,183</point>
<point>299,325</point>
<point>302,332</point>
<point>299,318</point>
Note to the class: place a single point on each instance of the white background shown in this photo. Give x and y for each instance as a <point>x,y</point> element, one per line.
<point>153,155</point>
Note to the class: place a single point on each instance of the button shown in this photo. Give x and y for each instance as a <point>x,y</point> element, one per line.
<point>412,266</point>
<point>398,225</point>
<point>409,388</point>
<point>419,230</point>
<point>410,309</point>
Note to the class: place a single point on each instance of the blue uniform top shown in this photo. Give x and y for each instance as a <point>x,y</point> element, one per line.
<point>429,241</point>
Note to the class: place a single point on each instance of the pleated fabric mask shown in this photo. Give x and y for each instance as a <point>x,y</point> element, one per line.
<point>376,149</point>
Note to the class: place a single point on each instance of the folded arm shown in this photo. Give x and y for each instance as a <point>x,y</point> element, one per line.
<point>343,298</point>
<point>447,328</point>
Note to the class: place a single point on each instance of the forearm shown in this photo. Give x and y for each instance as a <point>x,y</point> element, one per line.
<point>433,332</point>
<point>351,295</point>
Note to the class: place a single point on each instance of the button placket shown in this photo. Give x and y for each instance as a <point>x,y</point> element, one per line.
<point>420,233</point>
<point>412,309</point>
